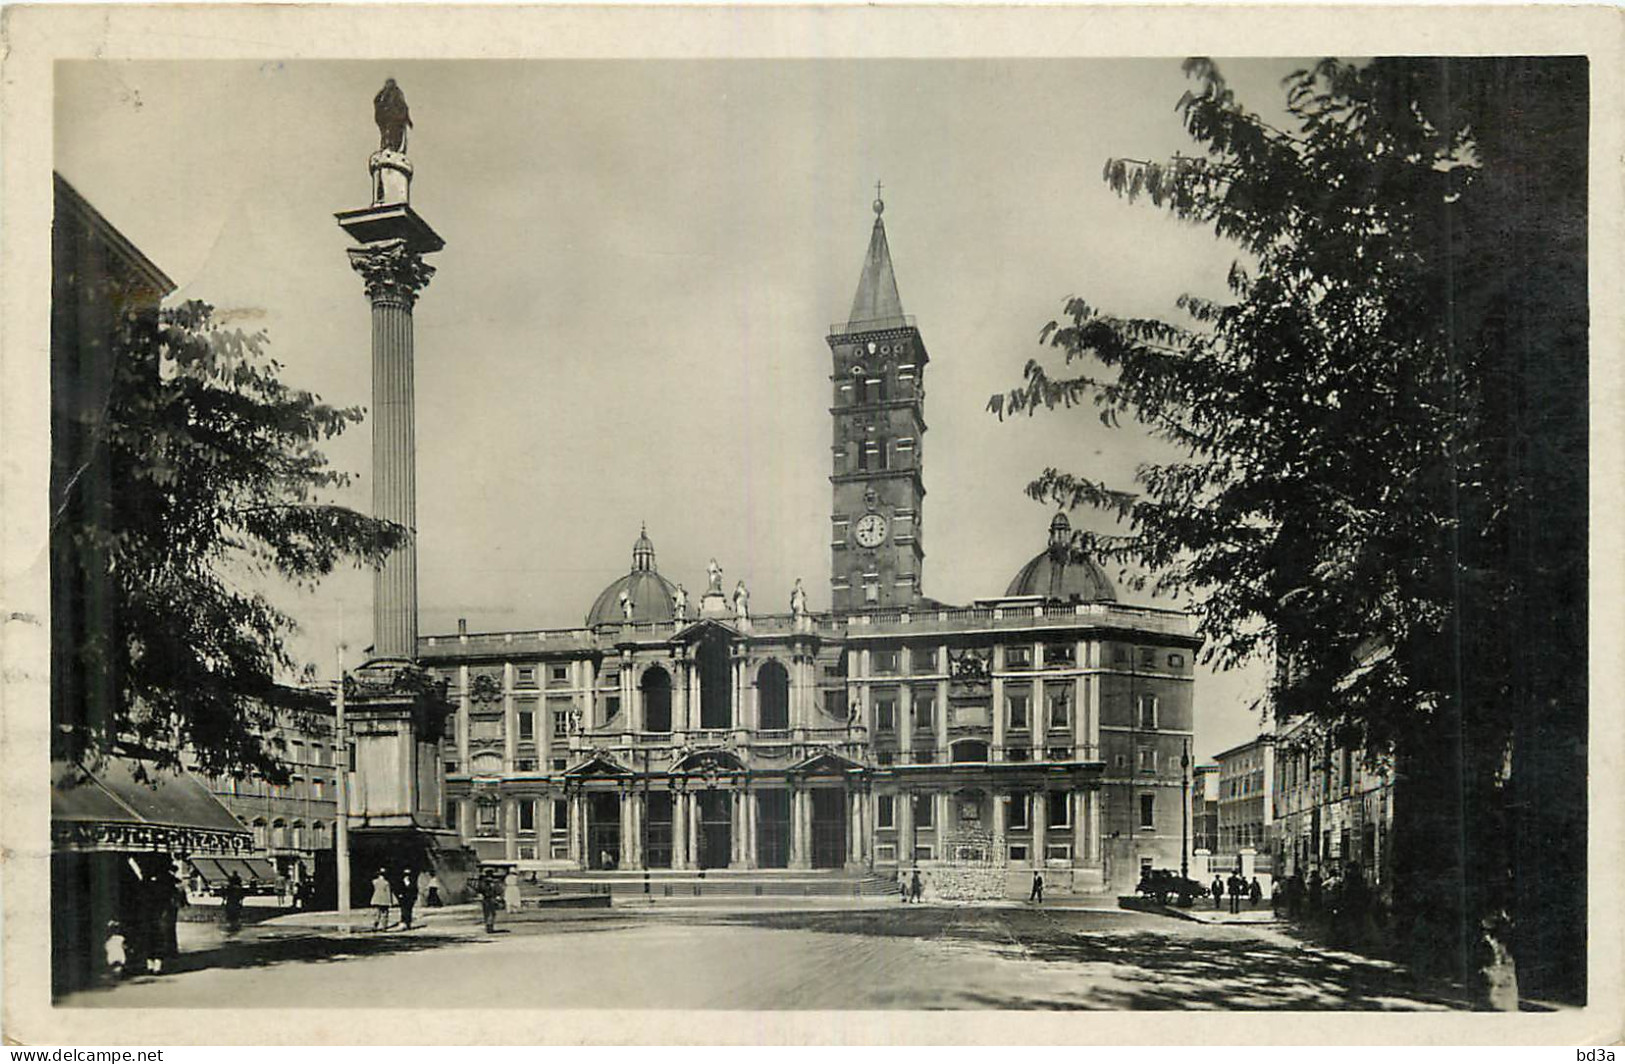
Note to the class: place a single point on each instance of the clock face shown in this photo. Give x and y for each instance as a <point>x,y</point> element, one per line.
<point>870,530</point>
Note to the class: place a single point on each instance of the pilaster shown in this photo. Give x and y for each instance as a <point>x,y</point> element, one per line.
<point>1080,827</point>
<point>1038,815</point>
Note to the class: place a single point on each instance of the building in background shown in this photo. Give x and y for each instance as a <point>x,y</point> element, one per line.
<point>293,824</point>
<point>1333,807</point>
<point>1205,808</point>
<point>1040,728</point>
<point>1246,778</point>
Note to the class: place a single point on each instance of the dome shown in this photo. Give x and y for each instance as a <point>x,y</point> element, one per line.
<point>648,591</point>
<point>1055,575</point>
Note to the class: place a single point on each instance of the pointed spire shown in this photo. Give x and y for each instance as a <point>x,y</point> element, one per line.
<point>877,304</point>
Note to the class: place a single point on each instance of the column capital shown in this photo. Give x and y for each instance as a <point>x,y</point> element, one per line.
<point>391,271</point>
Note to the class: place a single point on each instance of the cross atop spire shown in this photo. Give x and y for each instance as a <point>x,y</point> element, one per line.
<point>880,204</point>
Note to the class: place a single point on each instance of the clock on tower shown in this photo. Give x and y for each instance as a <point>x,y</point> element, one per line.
<point>879,366</point>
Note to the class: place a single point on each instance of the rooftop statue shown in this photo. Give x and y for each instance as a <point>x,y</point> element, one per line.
<point>715,571</point>
<point>742,602</point>
<point>798,599</point>
<point>390,112</point>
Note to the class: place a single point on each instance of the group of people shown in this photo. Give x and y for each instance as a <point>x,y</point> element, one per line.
<point>1343,895</point>
<point>143,937</point>
<point>1236,887</point>
<point>911,888</point>
<point>403,891</point>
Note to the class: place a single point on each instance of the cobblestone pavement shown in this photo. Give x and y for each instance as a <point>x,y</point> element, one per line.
<point>829,958</point>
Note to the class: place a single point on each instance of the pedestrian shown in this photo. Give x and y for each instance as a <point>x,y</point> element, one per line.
<point>432,898</point>
<point>1236,885</point>
<point>282,889</point>
<point>1218,891</point>
<point>512,900</point>
<point>486,886</point>
<point>902,885</point>
<point>382,898</point>
<point>114,949</point>
<point>233,893</point>
<point>168,898</point>
<point>409,897</point>
<point>1316,889</point>
<point>916,888</point>
<point>1255,893</point>
<point>1037,893</point>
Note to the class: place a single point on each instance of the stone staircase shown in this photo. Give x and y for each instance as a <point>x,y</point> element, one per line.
<point>659,884</point>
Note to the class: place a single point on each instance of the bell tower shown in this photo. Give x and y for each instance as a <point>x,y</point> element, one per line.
<point>878,376</point>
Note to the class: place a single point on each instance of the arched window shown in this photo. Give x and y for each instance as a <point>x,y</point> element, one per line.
<point>318,836</point>
<point>773,696</point>
<point>279,835</point>
<point>297,837</point>
<point>970,750</point>
<point>656,688</point>
<point>716,690</point>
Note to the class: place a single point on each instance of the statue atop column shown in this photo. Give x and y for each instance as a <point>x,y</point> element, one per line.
<point>679,603</point>
<point>389,110</point>
<point>715,571</point>
<point>626,604</point>
<point>798,600</point>
<point>742,602</point>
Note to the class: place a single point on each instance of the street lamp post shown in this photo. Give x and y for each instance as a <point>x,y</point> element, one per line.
<point>342,750</point>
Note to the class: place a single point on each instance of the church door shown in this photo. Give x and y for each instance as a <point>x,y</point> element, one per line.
<point>829,828</point>
<point>657,830</point>
<point>716,829</point>
<point>773,829</point>
<point>603,831</point>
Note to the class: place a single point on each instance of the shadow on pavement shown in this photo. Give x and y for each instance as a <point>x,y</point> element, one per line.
<point>307,948</point>
<point>1186,966</point>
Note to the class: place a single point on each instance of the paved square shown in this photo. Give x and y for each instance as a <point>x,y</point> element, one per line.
<point>851,957</point>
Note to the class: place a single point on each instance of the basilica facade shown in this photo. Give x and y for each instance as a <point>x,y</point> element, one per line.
<point>1044,728</point>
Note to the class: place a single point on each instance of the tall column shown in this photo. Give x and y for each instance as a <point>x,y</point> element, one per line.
<point>680,832</point>
<point>736,826</point>
<point>752,811</point>
<point>679,693</point>
<point>799,855</point>
<point>854,828</point>
<point>940,819</point>
<point>578,828</point>
<point>1001,803</point>
<point>692,826</point>
<point>942,710</point>
<point>394,273</point>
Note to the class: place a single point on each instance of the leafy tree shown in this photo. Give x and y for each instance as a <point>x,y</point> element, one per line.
<point>1382,479</point>
<point>217,484</point>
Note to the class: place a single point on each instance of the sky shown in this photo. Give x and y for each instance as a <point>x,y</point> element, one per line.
<point>643,259</point>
